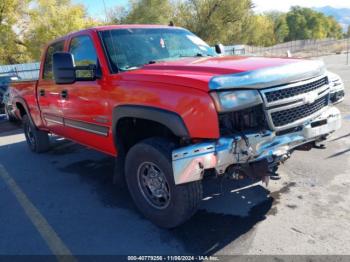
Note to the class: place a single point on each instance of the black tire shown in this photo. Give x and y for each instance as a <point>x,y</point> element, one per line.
<point>183,199</point>
<point>37,140</point>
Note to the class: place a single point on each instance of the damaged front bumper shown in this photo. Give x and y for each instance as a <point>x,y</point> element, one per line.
<point>189,163</point>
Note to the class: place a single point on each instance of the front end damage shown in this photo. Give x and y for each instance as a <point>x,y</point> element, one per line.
<point>255,140</point>
<point>256,154</point>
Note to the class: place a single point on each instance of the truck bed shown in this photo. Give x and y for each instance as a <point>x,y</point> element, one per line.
<point>25,90</point>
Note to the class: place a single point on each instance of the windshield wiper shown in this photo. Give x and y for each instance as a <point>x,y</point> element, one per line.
<point>127,68</point>
<point>196,55</point>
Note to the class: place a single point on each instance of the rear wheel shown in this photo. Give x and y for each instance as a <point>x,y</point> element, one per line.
<point>150,180</point>
<point>37,140</point>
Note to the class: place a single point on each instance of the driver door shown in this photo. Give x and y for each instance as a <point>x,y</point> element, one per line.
<point>86,115</point>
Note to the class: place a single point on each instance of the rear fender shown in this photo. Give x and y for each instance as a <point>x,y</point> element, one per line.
<point>22,102</point>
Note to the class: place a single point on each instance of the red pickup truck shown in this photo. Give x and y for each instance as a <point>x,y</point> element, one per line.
<point>171,110</point>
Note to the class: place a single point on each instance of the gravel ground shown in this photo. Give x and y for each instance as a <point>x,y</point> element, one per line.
<point>306,212</point>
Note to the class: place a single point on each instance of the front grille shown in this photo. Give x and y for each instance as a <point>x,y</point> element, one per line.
<point>276,95</point>
<point>291,115</point>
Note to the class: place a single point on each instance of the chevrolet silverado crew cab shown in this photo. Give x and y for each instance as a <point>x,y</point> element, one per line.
<point>171,110</point>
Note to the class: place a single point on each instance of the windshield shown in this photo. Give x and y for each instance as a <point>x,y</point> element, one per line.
<point>129,49</point>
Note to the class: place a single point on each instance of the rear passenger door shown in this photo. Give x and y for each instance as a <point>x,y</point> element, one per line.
<point>49,94</point>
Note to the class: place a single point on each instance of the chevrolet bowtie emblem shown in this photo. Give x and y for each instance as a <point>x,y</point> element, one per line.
<point>309,98</point>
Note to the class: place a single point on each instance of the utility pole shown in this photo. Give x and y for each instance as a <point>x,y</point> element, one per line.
<point>347,49</point>
<point>104,5</point>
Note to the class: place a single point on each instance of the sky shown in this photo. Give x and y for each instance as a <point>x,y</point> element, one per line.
<point>96,7</point>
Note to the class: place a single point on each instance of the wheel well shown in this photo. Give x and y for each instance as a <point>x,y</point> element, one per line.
<point>130,131</point>
<point>21,109</point>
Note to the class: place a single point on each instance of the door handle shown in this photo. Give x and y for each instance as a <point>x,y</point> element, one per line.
<point>64,93</point>
<point>42,92</point>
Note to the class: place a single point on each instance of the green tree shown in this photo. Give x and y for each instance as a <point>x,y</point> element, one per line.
<point>262,31</point>
<point>12,20</point>
<point>214,20</point>
<point>334,28</point>
<point>304,23</point>
<point>149,12</point>
<point>281,29</point>
<point>297,24</point>
<point>50,19</point>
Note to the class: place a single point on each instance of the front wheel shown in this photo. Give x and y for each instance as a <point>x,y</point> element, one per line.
<point>149,176</point>
<point>37,140</point>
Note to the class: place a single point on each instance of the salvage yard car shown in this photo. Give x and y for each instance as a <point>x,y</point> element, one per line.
<point>8,108</point>
<point>3,88</point>
<point>171,110</point>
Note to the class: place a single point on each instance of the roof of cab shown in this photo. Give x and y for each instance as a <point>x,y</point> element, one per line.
<point>110,27</point>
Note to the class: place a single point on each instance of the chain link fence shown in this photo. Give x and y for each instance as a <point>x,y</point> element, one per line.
<point>29,71</point>
<point>298,48</point>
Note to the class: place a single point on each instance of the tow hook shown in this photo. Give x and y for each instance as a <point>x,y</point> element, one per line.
<point>319,145</point>
<point>274,175</point>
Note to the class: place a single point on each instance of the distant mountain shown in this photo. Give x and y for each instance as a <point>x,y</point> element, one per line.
<point>342,15</point>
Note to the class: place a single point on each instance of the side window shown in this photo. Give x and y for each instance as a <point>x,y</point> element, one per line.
<point>55,47</point>
<point>83,51</point>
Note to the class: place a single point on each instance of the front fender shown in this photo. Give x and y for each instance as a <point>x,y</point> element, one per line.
<point>194,107</point>
<point>167,118</point>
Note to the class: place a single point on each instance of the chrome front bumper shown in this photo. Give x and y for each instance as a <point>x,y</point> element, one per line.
<point>190,162</point>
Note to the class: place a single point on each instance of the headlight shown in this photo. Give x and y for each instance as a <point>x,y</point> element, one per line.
<point>236,100</point>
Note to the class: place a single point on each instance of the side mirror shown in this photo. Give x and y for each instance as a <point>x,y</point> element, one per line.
<point>219,49</point>
<point>63,68</point>
<point>65,71</point>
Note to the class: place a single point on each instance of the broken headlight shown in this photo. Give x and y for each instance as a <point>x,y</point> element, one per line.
<point>228,101</point>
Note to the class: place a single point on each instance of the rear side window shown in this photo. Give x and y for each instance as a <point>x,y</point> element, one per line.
<point>55,47</point>
<point>83,51</point>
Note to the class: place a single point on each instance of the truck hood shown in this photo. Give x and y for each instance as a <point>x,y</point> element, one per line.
<point>213,73</point>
